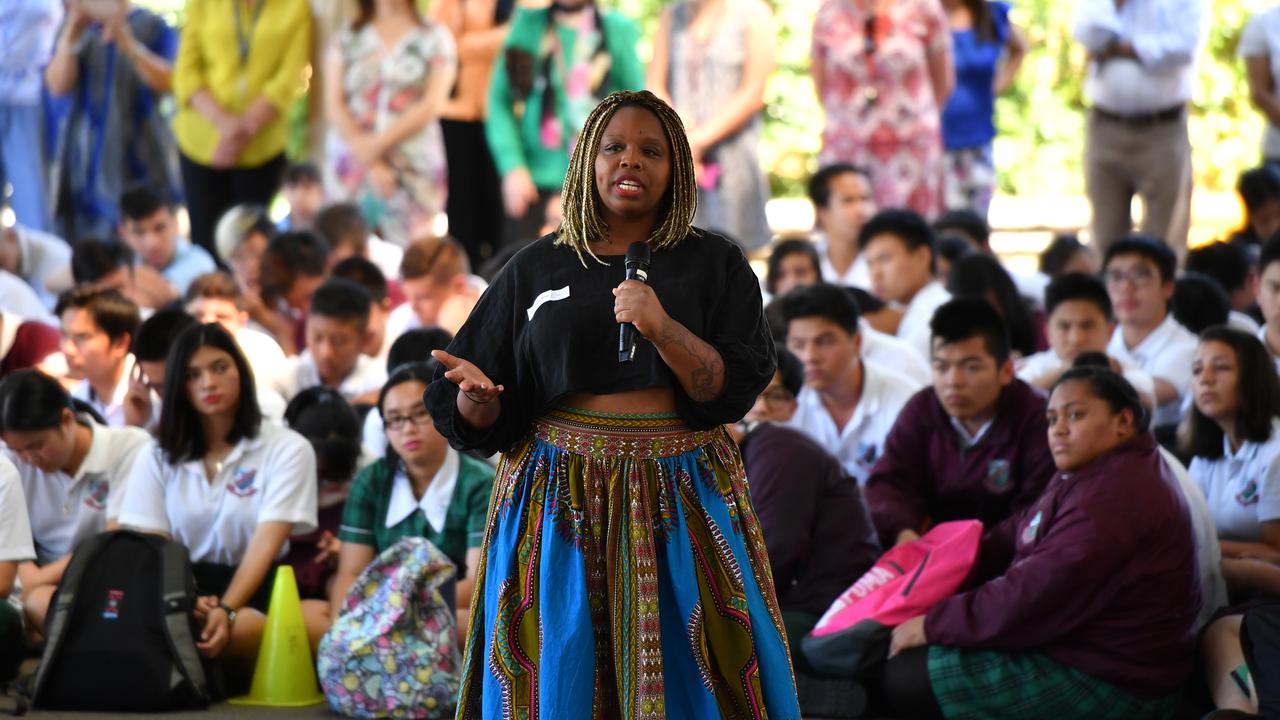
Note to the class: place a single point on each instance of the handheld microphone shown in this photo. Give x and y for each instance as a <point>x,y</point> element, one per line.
<point>637,269</point>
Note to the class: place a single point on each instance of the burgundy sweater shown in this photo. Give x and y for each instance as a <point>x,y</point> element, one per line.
<point>925,474</point>
<point>33,342</point>
<point>1103,578</point>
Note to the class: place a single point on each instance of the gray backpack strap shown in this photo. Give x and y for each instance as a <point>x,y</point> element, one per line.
<point>175,599</point>
<point>64,601</point>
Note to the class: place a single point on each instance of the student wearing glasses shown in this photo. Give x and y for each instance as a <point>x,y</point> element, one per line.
<point>421,487</point>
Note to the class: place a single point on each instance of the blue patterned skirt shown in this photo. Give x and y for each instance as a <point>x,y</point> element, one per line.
<point>624,575</point>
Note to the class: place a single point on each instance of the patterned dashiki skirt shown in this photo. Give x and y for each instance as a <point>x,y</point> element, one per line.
<point>983,684</point>
<point>624,575</point>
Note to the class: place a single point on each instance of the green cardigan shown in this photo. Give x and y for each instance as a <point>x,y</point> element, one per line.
<point>514,140</point>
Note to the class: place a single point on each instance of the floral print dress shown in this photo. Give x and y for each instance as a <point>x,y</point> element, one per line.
<point>381,84</point>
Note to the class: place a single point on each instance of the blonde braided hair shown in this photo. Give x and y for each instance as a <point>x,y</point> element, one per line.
<point>580,201</point>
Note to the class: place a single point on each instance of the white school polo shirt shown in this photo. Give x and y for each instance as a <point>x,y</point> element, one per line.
<point>1165,354</point>
<point>1213,588</point>
<point>914,326</point>
<point>1033,367</point>
<point>858,274</point>
<point>1242,487</point>
<point>367,376</point>
<point>110,408</point>
<point>65,509</point>
<point>271,477</point>
<point>264,356</point>
<point>15,531</point>
<point>861,441</point>
<point>894,353</point>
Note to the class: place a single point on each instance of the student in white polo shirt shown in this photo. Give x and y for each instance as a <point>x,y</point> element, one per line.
<point>847,405</point>
<point>97,327</point>
<point>228,485</point>
<point>15,548</point>
<point>73,474</point>
<point>337,324</point>
<point>900,250</point>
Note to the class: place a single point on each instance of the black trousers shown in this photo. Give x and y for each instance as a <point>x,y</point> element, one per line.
<point>474,205</point>
<point>906,686</point>
<point>211,192</point>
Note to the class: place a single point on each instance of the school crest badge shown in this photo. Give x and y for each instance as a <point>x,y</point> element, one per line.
<point>241,484</point>
<point>1249,495</point>
<point>99,490</point>
<point>997,480</point>
<point>1032,529</point>
<point>866,455</point>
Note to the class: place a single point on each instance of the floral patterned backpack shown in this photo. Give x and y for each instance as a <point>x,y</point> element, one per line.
<point>393,652</point>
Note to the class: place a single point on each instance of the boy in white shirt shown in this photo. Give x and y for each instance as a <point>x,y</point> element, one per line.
<point>337,326</point>
<point>899,246</point>
<point>439,288</point>
<point>1139,274</point>
<point>97,329</point>
<point>848,406</point>
<point>15,548</point>
<point>215,297</point>
<point>150,227</point>
<point>842,204</point>
<point>367,275</point>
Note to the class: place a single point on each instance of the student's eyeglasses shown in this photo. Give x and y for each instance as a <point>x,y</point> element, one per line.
<point>773,397</point>
<point>419,417</point>
<point>1137,277</point>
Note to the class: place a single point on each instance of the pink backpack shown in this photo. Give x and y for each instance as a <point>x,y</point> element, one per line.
<point>853,635</point>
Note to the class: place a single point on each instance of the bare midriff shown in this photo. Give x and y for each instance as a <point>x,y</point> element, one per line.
<point>631,402</point>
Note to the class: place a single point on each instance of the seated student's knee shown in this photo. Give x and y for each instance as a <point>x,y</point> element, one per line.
<point>906,685</point>
<point>35,604</point>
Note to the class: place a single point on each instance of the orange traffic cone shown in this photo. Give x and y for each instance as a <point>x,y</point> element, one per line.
<point>285,675</point>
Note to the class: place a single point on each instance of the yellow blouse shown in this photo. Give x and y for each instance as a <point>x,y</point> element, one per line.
<point>279,48</point>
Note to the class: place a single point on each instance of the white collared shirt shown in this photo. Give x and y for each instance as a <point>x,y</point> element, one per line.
<point>64,509</point>
<point>434,502</point>
<point>1166,36</point>
<point>1262,335</point>
<point>1034,367</point>
<point>1213,587</point>
<point>1165,354</point>
<point>861,441</point>
<point>15,529</point>
<point>386,255</point>
<point>857,275</point>
<point>1242,322</point>
<point>17,297</point>
<point>269,478</point>
<point>914,327</point>
<point>265,357</point>
<point>962,432</point>
<point>894,353</point>
<point>365,377</point>
<point>1242,487</point>
<point>111,408</point>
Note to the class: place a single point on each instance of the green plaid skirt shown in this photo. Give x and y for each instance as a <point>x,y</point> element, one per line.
<point>985,684</point>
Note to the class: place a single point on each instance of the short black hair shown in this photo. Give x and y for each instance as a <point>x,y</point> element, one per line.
<point>364,273</point>
<point>93,259</point>
<point>981,276</point>
<point>1113,389</point>
<point>156,333</point>
<point>1258,185</point>
<point>820,182</point>
<point>180,434</point>
<point>1257,386</point>
<point>288,255</point>
<point>115,314</point>
<point>781,250</point>
<point>1199,302</point>
<point>1270,253</point>
<point>777,323</point>
<point>1226,262</point>
<point>322,416</point>
<point>954,248</point>
<point>342,225</point>
<point>963,318</point>
<point>1153,249</point>
<point>341,299</point>
<point>1063,247</point>
<point>1077,286</point>
<point>966,223</point>
<point>822,300</point>
<point>416,345</point>
<point>299,173</point>
<point>906,225</point>
<point>141,202</point>
<point>31,401</point>
<point>423,372</point>
<point>792,371</point>
<point>867,303</point>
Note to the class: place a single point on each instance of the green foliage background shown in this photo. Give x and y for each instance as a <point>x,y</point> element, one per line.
<point>1041,119</point>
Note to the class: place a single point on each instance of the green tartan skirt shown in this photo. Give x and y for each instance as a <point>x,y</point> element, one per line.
<point>983,684</point>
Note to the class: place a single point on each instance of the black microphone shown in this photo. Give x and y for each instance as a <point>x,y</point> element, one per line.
<point>637,269</point>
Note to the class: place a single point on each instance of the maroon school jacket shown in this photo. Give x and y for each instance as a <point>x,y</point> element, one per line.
<point>33,342</point>
<point>1103,578</point>
<point>925,473</point>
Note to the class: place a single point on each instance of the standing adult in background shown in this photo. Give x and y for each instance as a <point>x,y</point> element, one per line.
<point>112,72</point>
<point>388,78</point>
<point>1141,71</point>
<point>29,29</point>
<point>988,51</point>
<point>240,67</point>
<point>1260,48</point>
<point>883,71</point>
<point>556,64</point>
<point>474,204</point>
<point>711,61</point>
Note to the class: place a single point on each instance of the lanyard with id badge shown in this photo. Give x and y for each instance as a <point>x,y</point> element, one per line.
<point>244,40</point>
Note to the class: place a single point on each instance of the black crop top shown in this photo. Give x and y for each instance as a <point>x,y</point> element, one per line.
<point>545,329</point>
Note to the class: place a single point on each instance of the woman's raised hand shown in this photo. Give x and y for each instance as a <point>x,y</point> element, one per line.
<point>473,383</point>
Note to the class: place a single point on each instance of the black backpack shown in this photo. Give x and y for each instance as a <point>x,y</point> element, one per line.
<point>120,635</point>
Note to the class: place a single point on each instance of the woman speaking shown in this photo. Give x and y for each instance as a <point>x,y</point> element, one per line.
<point>623,572</point>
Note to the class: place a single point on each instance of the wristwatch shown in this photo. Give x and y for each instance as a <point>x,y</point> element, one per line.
<point>231,614</point>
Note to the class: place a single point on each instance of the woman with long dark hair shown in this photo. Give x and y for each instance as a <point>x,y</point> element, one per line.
<point>228,485</point>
